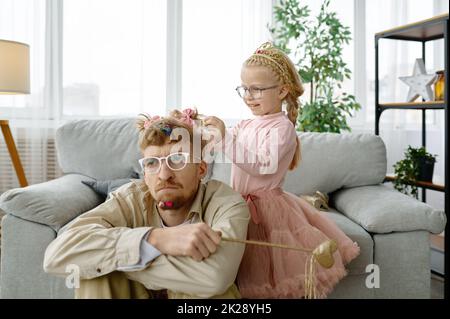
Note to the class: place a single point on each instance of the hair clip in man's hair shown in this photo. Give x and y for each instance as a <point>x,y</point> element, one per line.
<point>186,116</point>
<point>166,129</point>
<point>150,120</point>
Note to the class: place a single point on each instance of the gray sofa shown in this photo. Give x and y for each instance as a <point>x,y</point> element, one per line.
<point>392,229</point>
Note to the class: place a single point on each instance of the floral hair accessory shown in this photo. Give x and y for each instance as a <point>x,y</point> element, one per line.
<point>150,120</point>
<point>265,48</point>
<point>166,129</point>
<point>186,116</point>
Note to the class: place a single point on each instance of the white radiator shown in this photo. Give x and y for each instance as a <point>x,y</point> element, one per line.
<point>38,156</point>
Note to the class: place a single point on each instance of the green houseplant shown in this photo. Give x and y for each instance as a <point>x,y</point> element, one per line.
<point>317,45</point>
<point>418,165</point>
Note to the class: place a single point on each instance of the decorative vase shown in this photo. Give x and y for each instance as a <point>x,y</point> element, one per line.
<point>439,86</point>
<point>425,168</point>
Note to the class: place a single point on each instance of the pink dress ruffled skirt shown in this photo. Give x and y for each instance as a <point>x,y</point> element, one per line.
<point>281,217</point>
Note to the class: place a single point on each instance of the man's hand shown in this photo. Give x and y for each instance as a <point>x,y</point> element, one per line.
<point>194,240</point>
<point>215,122</point>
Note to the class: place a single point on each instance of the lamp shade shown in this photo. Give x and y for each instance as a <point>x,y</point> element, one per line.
<point>14,67</point>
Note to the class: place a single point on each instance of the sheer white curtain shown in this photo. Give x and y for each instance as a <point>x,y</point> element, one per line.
<point>93,58</point>
<point>217,37</point>
<point>31,116</point>
<point>114,56</point>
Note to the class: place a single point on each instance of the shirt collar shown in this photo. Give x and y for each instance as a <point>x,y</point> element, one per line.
<point>197,204</point>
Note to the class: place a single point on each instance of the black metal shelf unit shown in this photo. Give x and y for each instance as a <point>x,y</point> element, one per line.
<point>423,31</point>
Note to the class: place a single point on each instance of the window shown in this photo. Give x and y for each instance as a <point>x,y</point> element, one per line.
<point>114,57</point>
<point>217,37</point>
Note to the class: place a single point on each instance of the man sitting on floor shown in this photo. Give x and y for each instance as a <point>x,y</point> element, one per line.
<point>161,236</point>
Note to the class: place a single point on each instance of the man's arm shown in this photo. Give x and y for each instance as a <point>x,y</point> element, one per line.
<point>212,276</point>
<point>147,253</point>
<point>197,240</point>
<point>99,241</point>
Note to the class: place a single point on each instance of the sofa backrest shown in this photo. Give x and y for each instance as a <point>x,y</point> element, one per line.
<point>329,162</point>
<point>107,149</point>
<point>101,149</point>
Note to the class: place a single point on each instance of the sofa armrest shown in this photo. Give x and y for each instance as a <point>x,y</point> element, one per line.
<point>53,203</point>
<point>380,209</point>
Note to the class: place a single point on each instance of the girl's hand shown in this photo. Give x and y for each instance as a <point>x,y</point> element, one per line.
<point>215,122</point>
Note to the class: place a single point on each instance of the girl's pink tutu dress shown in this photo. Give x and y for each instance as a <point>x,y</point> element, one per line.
<point>278,216</point>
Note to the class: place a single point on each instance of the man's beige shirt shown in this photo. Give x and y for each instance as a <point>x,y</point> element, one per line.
<point>109,236</point>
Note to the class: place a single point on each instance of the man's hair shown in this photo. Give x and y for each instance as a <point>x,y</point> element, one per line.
<point>157,130</point>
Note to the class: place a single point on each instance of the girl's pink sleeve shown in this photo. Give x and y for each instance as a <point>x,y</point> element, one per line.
<point>230,135</point>
<point>260,157</point>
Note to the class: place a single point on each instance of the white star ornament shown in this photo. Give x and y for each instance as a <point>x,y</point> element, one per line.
<point>419,83</point>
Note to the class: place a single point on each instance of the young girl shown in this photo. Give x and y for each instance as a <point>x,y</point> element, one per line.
<point>270,79</point>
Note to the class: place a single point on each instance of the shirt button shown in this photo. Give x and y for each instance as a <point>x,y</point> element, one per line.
<point>99,270</point>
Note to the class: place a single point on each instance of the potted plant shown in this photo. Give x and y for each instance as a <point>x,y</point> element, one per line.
<point>317,44</point>
<point>418,165</point>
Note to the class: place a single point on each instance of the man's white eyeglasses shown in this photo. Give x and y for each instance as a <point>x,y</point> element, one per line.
<point>174,161</point>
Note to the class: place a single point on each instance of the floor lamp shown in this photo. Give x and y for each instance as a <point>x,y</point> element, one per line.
<point>14,79</point>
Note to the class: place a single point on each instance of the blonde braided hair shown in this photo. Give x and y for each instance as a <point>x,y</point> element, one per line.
<point>279,63</point>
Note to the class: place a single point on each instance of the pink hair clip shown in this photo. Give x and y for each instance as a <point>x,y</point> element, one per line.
<point>150,120</point>
<point>187,116</point>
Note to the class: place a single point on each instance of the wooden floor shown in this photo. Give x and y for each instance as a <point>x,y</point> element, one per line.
<point>437,287</point>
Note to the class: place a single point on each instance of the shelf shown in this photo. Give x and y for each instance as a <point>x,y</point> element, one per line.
<point>425,30</point>
<point>422,31</point>
<point>427,185</point>
<point>432,105</point>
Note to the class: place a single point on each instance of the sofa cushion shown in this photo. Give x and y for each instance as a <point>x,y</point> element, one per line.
<point>103,188</point>
<point>359,235</point>
<point>331,161</point>
<point>381,209</point>
<point>101,149</point>
<point>53,203</point>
